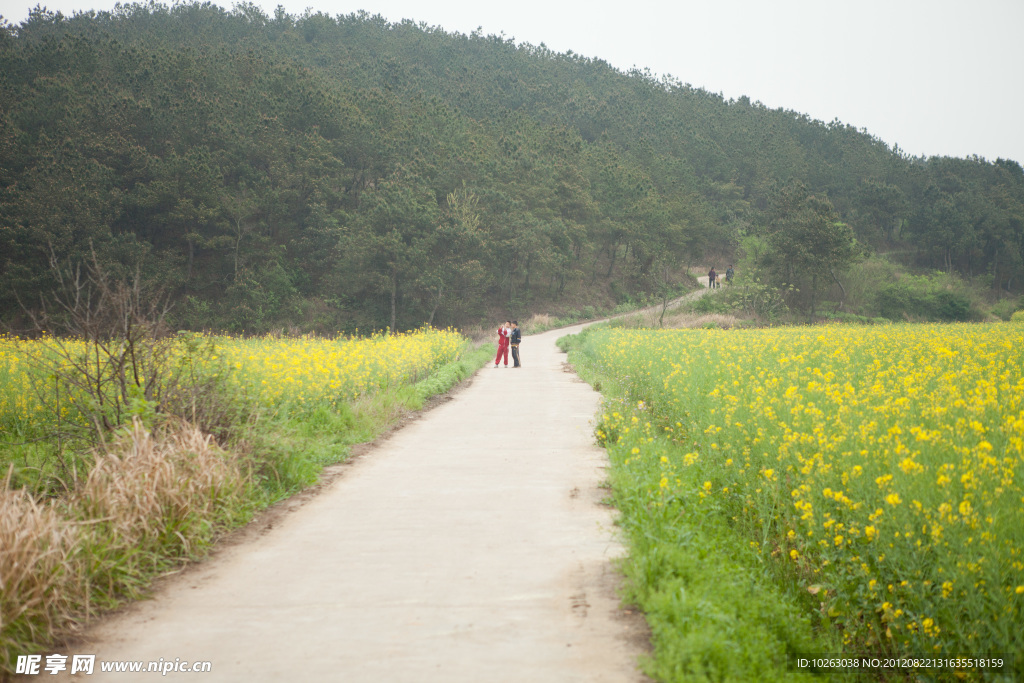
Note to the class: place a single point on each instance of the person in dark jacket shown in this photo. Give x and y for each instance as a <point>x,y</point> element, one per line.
<point>513,340</point>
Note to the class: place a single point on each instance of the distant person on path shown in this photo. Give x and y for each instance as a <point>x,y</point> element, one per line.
<point>729,273</point>
<point>712,278</point>
<point>514,339</point>
<point>503,333</point>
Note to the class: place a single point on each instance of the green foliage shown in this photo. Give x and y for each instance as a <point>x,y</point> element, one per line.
<point>1005,308</point>
<point>923,297</point>
<point>878,290</point>
<point>718,302</point>
<point>765,302</point>
<point>750,297</point>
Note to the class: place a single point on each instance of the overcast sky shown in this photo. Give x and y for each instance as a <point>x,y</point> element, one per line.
<point>936,77</point>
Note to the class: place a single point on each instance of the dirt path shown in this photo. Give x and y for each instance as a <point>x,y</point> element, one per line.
<point>470,546</point>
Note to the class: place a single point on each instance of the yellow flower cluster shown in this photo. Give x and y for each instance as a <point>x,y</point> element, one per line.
<point>884,463</point>
<point>19,406</point>
<point>311,370</point>
<point>300,371</point>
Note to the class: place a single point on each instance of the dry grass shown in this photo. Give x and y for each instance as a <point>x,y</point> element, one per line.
<point>478,334</point>
<point>538,322</point>
<point>145,486</point>
<point>685,320</point>
<point>148,498</point>
<point>675,319</point>
<point>40,582</point>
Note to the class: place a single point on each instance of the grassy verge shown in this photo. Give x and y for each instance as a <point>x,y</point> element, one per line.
<point>716,610</point>
<point>154,498</point>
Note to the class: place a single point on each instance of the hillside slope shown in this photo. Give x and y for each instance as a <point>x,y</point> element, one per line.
<point>333,173</point>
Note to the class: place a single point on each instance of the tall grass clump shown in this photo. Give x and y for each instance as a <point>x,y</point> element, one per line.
<point>151,498</point>
<point>40,573</point>
<point>878,470</point>
<point>147,500</point>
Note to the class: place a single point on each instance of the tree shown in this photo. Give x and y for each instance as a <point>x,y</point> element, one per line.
<point>807,244</point>
<point>940,227</point>
<point>883,208</point>
<point>454,273</point>
<point>391,246</point>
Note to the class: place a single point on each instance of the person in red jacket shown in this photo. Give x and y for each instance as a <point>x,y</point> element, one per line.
<point>503,333</point>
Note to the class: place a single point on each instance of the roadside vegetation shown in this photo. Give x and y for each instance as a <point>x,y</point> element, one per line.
<point>122,457</point>
<point>876,289</point>
<point>818,489</point>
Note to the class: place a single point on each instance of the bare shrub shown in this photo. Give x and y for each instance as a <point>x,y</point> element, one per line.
<point>110,342</point>
<point>109,357</point>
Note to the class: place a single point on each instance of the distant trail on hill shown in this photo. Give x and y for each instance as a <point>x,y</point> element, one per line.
<point>471,545</point>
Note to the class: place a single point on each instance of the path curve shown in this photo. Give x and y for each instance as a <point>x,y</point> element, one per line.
<point>472,545</point>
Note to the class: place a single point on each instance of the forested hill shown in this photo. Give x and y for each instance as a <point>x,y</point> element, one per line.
<point>333,173</point>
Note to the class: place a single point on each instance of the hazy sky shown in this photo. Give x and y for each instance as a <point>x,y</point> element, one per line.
<point>936,77</point>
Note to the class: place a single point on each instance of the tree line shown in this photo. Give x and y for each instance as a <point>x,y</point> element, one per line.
<point>333,173</point>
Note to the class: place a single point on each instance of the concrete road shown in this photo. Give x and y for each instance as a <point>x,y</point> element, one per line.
<point>470,546</point>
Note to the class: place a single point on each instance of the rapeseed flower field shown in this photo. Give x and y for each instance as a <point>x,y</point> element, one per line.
<point>310,370</point>
<point>291,373</point>
<point>882,468</point>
